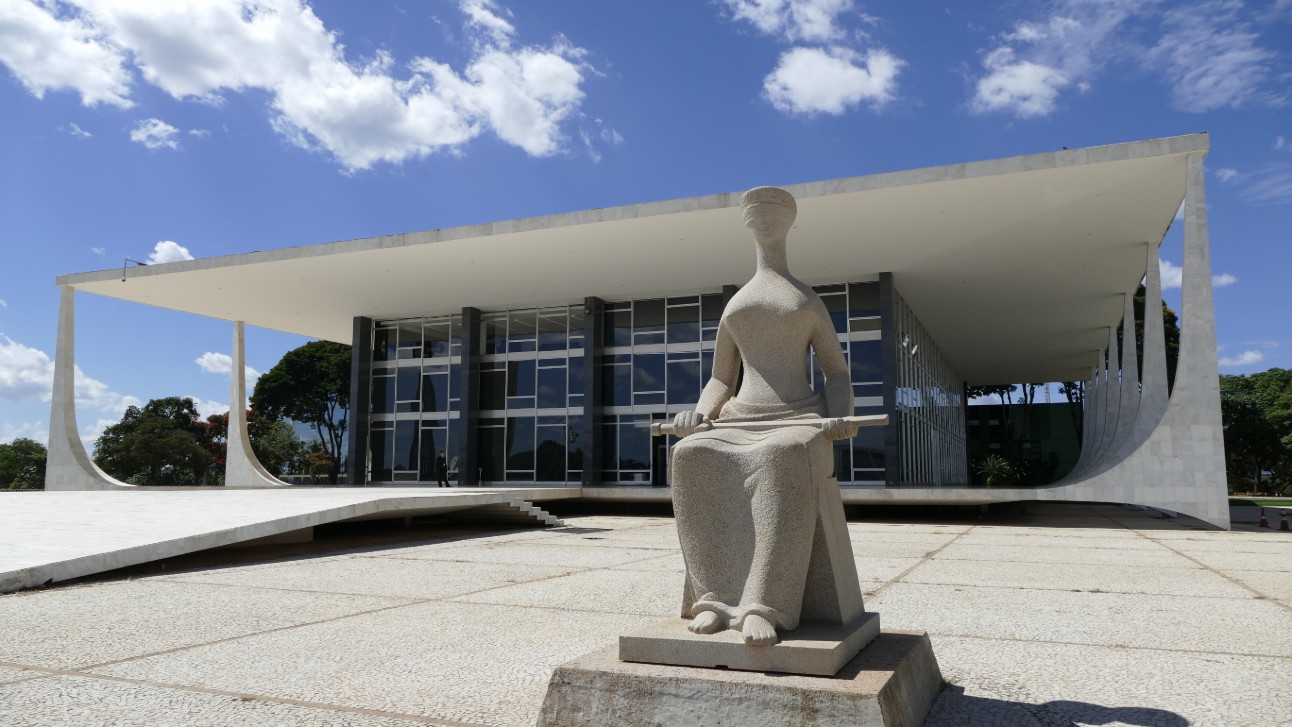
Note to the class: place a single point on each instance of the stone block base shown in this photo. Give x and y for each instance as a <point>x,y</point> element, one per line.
<point>891,683</point>
<point>814,649</point>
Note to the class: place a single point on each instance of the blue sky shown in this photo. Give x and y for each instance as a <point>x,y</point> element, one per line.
<point>208,127</point>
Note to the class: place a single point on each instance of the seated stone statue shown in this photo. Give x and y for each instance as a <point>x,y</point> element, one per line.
<point>746,499</point>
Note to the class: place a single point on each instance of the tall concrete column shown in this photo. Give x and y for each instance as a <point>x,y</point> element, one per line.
<point>1154,389</point>
<point>68,465</point>
<point>241,467</point>
<point>1111,402</point>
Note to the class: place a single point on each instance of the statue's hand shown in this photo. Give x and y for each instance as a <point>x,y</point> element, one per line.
<point>688,422</point>
<point>833,429</point>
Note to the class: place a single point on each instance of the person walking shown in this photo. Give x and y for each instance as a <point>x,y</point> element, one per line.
<point>441,470</point>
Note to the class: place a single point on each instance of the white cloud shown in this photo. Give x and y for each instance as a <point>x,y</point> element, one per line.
<point>1226,174</point>
<point>222,363</point>
<point>1281,143</point>
<point>1033,63</point>
<point>1246,358</point>
<point>1211,57</point>
<point>793,20</point>
<point>98,250</point>
<point>199,133</point>
<point>209,407</point>
<point>77,132</point>
<point>831,81</point>
<point>52,47</point>
<point>360,112</point>
<point>154,133</point>
<point>3,304</point>
<point>27,374</point>
<point>593,138</point>
<point>1172,275</point>
<point>167,251</point>
<point>37,431</point>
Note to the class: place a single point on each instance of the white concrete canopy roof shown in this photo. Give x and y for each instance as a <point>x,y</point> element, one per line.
<point>1016,266</point>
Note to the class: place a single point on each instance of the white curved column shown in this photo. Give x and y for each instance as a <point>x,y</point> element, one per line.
<point>241,468</point>
<point>1181,464</point>
<point>1112,402</point>
<point>1155,391</point>
<point>69,466</point>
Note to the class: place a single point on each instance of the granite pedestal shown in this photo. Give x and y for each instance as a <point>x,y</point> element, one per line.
<point>891,683</point>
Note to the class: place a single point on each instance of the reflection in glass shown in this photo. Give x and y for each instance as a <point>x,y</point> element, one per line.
<point>684,324</point>
<point>684,383</point>
<point>379,443</point>
<point>648,321</point>
<point>405,445</point>
<point>383,394</point>
<point>435,390</point>
<point>493,389</point>
<point>634,445</point>
<point>551,329</point>
<point>408,388</point>
<point>383,343</point>
<point>520,378</point>
<point>648,372</point>
<point>551,388</point>
<point>520,443</point>
<point>550,466</point>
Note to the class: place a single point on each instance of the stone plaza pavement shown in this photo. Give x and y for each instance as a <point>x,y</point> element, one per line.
<point>1062,615</point>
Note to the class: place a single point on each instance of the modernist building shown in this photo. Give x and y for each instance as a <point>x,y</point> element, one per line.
<point>547,345</point>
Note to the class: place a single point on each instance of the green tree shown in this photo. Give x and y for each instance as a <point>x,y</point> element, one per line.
<point>1256,413</point>
<point>274,442</point>
<point>311,384</point>
<point>158,444</point>
<point>22,465</point>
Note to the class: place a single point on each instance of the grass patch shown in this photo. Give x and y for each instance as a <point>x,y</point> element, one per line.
<point>1260,502</point>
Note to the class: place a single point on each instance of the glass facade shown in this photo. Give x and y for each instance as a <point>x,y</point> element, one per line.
<point>656,355</point>
<point>930,414</point>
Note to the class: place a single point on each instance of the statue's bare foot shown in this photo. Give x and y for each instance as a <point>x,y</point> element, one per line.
<point>759,631</point>
<point>707,622</point>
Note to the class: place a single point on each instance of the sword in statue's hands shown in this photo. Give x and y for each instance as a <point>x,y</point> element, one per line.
<point>660,429</point>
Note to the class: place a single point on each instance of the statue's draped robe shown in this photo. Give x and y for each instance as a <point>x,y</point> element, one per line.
<point>746,508</point>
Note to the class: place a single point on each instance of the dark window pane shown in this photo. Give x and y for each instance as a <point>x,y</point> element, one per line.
<point>857,325</point>
<point>644,399</point>
<point>684,324</point>
<point>383,394</point>
<point>435,392</point>
<point>574,434</point>
<point>493,390</point>
<point>648,372</point>
<point>609,445</point>
<point>863,299</point>
<point>409,385</point>
<point>576,377</point>
<point>618,328</point>
<point>634,446</point>
<point>379,454</point>
<point>520,378</point>
<point>383,344</point>
<point>492,454</point>
<point>551,388</point>
<point>410,338</point>
<point>711,308</point>
<point>617,381</point>
<point>493,334</point>
<point>550,464</point>
<point>551,330</point>
<point>868,448</point>
<point>435,338</point>
<point>683,382</point>
<point>405,445</point>
<point>843,461</point>
<point>454,448</point>
<point>520,443</point>
<point>648,316</point>
<point>837,307</point>
<point>867,361</point>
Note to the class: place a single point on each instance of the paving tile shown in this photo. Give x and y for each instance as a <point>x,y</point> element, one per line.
<point>561,554</point>
<point>1108,619</point>
<point>883,549</point>
<point>1231,544</point>
<point>76,700</point>
<point>1138,556</point>
<point>409,578</point>
<point>1187,581</point>
<point>1042,684</point>
<point>664,563</point>
<point>882,569</point>
<point>70,627</point>
<point>1053,539</point>
<point>486,665</point>
<point>12,673</point>
<point>1226,560</point>
<point>1272,584</point>
<point>644,593</point>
